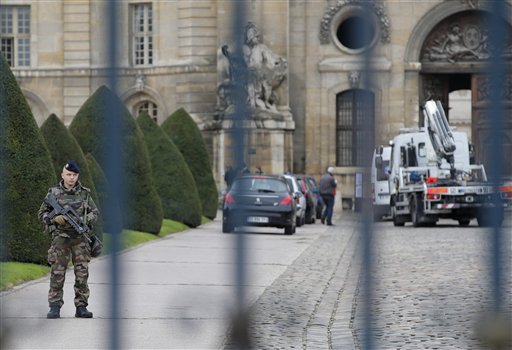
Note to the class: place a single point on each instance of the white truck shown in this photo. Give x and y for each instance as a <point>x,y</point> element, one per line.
<point>379,182</point>
<point>431,176</point>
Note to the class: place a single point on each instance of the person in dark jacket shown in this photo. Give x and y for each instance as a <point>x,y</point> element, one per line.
<point>327,189</point>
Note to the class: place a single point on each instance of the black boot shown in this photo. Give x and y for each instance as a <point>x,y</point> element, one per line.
<point>82,312</point>
<point>54,312</point>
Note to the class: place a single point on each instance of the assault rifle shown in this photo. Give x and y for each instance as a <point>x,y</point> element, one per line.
<point>70,215</point>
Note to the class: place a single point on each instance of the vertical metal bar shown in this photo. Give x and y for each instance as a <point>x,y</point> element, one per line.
<point>3,182</point>
<point>112,169</point>
<point>366,153</point>
<point>497,73</point>
<point>240,78</point>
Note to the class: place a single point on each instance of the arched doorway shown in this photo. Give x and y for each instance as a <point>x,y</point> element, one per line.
<point>454,57</point>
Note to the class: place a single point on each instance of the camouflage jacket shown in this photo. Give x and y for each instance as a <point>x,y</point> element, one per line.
<point>79,198</point>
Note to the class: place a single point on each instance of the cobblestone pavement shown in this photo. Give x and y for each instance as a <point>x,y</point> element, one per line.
<point>310,305</point>
<point>432,286</point>
<point>430,289</point>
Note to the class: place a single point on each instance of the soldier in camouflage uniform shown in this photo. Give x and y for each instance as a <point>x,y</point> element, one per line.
<point>67,242</point>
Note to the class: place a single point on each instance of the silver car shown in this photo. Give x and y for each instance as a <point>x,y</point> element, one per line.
<point>299,199</point>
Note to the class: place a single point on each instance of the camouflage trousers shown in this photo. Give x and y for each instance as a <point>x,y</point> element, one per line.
<point>58,258</point>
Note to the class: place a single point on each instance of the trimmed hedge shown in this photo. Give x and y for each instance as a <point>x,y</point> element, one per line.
<point>140,206</point>
<point>26,174</point>
<point>174,181</point>
<point>187,137</point>
<point>63,147</point>
<point>98,178</point>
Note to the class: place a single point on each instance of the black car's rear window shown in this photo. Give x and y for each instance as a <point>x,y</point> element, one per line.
<point>259,185</point>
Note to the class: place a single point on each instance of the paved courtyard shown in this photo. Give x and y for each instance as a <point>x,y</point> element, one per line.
<point>431,289</point>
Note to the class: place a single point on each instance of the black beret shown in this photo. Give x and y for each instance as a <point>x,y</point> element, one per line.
<point>72,166</point>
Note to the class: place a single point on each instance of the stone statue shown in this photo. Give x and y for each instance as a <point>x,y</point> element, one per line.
<point>265,71</point>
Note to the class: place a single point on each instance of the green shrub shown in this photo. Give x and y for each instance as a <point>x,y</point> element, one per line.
<point>101,184</point>
<point>140,205</point>
<point>187,137</point>
<point>174,181</point>
<point>99,179</point>
<point>63,147</point>
<point>26,174</point>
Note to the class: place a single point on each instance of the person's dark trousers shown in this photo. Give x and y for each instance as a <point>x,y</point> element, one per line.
<point>329,204</point>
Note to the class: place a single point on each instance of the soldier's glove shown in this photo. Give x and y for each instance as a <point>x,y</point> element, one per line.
<point>59,219</point>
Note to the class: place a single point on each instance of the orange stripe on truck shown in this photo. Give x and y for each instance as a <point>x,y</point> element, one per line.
<point>437,190</point>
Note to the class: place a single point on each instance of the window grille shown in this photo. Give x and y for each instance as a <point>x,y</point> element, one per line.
<point>354,120</point>
<point>15,35</point>
<point>149,107</point>
<point>142,34</point>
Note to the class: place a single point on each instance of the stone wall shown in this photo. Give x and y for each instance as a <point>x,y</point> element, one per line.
<point>69,55</point>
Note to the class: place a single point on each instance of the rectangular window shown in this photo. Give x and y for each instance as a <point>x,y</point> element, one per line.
<point>142,34</point>
<point>15,35</point>
<point>354,125</point>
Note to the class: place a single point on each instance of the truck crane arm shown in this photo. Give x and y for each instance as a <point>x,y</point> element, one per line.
<point>439,133</point>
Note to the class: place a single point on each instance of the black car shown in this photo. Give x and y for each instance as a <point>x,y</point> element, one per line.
<point>259,200</point>
<point>311,199</point>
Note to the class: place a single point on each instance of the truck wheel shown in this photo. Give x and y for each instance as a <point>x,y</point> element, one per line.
<point>397,220</point>
<point>464,222</point>
<point>487,222</point>
<point>484,217</point>
<point>416,208</point>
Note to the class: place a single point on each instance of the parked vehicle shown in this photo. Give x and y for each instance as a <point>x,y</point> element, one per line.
<point>307,191</point>
<point>316,192</point>
<point>300,199</point>
<point>259,200</point>
<point>432,176</point>
<point>379,182</point>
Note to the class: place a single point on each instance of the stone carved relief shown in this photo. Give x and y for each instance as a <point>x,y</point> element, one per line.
<point>330,13</point>
<point>354,78</point>
<point>467,44</point>
<point>140,81</point>
<point>265,71</point>
<point>461,39</point>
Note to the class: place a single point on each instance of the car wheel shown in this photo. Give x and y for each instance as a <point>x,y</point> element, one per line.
<point>227,227</point>
<point>289,229</point>
<point>309,217</point>
<point>464,222</point>
<point>300,221</point>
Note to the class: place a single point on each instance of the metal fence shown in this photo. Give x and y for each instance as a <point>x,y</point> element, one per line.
<point>497,69</point>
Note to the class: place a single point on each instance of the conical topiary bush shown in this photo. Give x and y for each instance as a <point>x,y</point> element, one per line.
<point>141,208</point>
<point>63,147</point>
<point>174,181</point>
<point>26,174</point>
<point>187,137</point>
<point>98,178</point>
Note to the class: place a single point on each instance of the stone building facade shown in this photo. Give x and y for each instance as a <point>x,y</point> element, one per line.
<point>169,55</point>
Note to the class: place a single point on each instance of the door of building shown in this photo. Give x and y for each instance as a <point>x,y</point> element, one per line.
<point>481,122</point>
